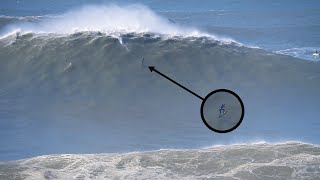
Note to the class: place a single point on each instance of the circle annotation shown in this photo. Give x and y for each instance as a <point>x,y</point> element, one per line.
<point>222,111</point>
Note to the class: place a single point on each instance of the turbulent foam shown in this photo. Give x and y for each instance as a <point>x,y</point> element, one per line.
<point>303,52</point>
<point>111,20</point>
<point>289,160</point>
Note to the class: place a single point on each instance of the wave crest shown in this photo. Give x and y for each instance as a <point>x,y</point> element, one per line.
<point>111,19</point>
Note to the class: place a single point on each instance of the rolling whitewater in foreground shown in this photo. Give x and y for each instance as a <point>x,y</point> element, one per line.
<point>78,102</point>
<point>255,161</point>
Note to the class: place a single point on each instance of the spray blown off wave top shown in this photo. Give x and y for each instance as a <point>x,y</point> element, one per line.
<point>112,20</point>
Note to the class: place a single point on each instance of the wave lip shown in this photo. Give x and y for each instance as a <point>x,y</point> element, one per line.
<point>111,19</point>
<point>291,160</point>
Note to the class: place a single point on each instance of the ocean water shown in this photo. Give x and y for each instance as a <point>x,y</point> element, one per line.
<point>77,102</point>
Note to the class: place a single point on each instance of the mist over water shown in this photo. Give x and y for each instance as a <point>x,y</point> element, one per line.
<point>112,20</point>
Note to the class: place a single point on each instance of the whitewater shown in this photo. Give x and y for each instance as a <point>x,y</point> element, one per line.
<point>256,161</point>
<point>129,19</point>
<point>76,101</point>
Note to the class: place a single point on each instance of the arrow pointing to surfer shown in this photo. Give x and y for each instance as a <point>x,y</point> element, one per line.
<point>152,68</point>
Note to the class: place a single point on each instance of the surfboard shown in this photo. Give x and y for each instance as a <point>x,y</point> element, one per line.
<point>315,55</point>
<point>68,66</point>
<point>223,114</point>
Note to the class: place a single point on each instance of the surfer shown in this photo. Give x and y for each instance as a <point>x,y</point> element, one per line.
<point>222,110</point>
<point>316,54</point>
<point>171,21</point>
<point>142,62</point>
<point>17,35</point>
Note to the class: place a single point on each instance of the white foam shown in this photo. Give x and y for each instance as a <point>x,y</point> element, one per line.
<point>255,142</point>
<point>300,52</point>
<point>226,163</point>
<point>110,19</point>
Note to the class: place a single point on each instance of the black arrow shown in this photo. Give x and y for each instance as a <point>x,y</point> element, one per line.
<point>153,69</point>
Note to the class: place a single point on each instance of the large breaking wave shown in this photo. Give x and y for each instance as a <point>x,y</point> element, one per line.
<point>111,20</point>
<point>77,83</point>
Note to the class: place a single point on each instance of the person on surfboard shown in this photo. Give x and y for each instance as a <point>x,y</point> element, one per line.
<point>222,110</point>
<point>142,63</point>
<point>316,54</point>
<point>171,21</point>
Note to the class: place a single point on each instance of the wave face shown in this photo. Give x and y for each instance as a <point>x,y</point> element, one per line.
<point>290,160</point>
<point>91,86</point>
